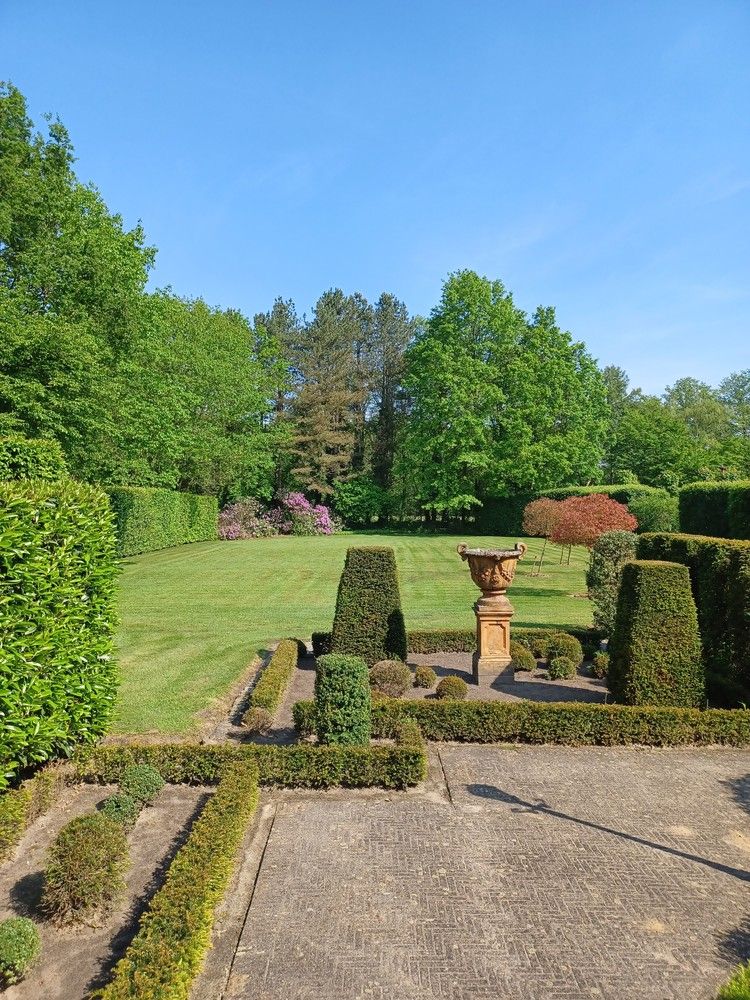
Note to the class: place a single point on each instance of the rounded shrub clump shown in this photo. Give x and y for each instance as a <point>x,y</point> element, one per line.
<point>343,704</point>
<point>141,782</point>
<point>600,665</point>
<point>121,808</point>
<point>86,867</point>
<point>19,948</point>
<point>390,677</point>
<point>563,644</point>
<point>257,720</point>
<point>452,687</point>
<point>521,656</point>
<point>561,668</point>
<point>425,677</point>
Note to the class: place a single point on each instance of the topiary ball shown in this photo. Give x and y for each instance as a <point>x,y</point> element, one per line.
<point>390,677</point>
<point>19,948</point>
<point>141,782</point>
<point>452,687</point>
<point>521,656</point>
<point>563,644</point>
<point>600,665</point>
<point>561,668</point>
<point>121,808</point>
<point>425,677</point>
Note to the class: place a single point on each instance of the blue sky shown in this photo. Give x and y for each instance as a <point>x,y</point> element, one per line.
<point>595,156</point>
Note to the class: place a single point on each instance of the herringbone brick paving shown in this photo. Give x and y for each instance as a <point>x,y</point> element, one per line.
<point>555,873</point>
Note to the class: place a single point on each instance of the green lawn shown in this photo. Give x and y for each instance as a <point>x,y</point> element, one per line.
<point>193,617</point>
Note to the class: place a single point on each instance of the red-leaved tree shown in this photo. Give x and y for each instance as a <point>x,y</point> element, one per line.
<point>539,520</point>
<point>581,520</point>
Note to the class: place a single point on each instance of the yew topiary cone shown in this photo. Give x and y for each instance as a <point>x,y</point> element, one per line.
<point>655,649</point>
<point>368,620</point>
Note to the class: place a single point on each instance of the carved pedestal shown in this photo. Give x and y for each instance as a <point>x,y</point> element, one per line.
<point>491,659</point>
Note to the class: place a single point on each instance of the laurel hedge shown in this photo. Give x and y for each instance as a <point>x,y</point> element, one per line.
<point>368,621</point>
<point>148,519</point>
<point>655,649</point>
<point>31,458</point>
<point>720,578</point>
<point>719,510</point>
<point>57,589</point>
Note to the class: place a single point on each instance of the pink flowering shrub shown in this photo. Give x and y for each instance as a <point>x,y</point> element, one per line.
<point>293,515</point>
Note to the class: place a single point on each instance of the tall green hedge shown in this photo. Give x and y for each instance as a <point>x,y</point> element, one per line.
<point>31,458</point>
<point>720,578</point>
<point>655,649</point>
<point>148,519</point>
<point>368,621</point>
<point>57,582</point>
<point>719,510</point>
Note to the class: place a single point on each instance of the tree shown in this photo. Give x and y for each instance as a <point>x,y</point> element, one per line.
<point>581,520</point>
<point>734,393</point>
<point>539,520</point>
<point>654,443</point>
<point>498,404</point>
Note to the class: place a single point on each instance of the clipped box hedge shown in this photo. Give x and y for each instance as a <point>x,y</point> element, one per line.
<point>272,683</point>
<point>31,458</point>
<point>19,807</point>
<point>720,579</point>
<point>57,588</point>
<point>148,519</point>
<point>718,510</point>
<point>566,723</point>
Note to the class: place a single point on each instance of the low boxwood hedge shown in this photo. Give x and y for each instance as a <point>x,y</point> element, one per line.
<point>552,722</point>
<point>273,680</point>
<point>19,807</point>
<point>148,519</point>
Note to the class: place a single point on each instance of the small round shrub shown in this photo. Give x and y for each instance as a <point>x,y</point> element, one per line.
<point>521,657</point>
<point>600,665</point>
<point>563,644</point>
<point>121,808</point>
<point>390,677</point>
<point>452,687</point>
<point>425,677</point>
<point>257,719</point>
<point>561,668</point>
<point>19,948</point>
<point>86,867</point>
<point>141,782</point>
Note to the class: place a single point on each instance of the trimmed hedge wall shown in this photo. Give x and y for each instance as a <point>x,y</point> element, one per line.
<point>19,807</point>
<point>718,510</point>
<point>655,650</point>
<point>148,519</point>
<point>368,621</point>
<point>272,684</point>
<point>31,458</point>
<point>566,723</point>
<point>720,579</point>
<point>57,588</point>
<point>175,932</point>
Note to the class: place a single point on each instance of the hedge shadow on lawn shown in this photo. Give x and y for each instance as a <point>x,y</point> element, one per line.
<point>541,807</point>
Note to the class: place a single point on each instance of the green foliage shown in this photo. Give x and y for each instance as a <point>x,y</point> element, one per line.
<point>655,512</point>
<point>720,578</point>
<point>625,493</point>
<point>655,649</point>
<point>563,644</point>
<point>561,668</point>
<point>610,553</point>
<point>390,677</point>
<point>452,687</point>
<point>122,808</point>
<point>600,665</point>
<point>36,458</point>
<point>141,782</point>
<point>521,656</point>
<point>271,686</point>
<point>342,700</point>
<point>85,869</point>
<point>149,519</point>
<point>738,987</point>
<point>20,947</point>
<point>442,640</point>
<point>424,677</point>
<point>19,807</point>
<point>720,510</point>
<point>465,640</point>
<point>175,933</point>
<point>655,443</point>
<point>321,643</point>
<point>368,621</point>
<point>359,501</point>
<point>565,723</point>
<point>57,589</point>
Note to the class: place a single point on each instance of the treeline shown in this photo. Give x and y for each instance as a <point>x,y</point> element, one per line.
<point>384,413</point>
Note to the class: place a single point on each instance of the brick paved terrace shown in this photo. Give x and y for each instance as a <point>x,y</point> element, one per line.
<point>524,873</point>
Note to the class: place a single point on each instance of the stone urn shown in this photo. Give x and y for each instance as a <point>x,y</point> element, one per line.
<point>492,570</point>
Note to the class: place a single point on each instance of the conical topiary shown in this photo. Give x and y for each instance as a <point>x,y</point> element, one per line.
<point>368,620</point>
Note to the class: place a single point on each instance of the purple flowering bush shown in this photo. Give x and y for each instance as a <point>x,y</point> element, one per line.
<point>293,515</point>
